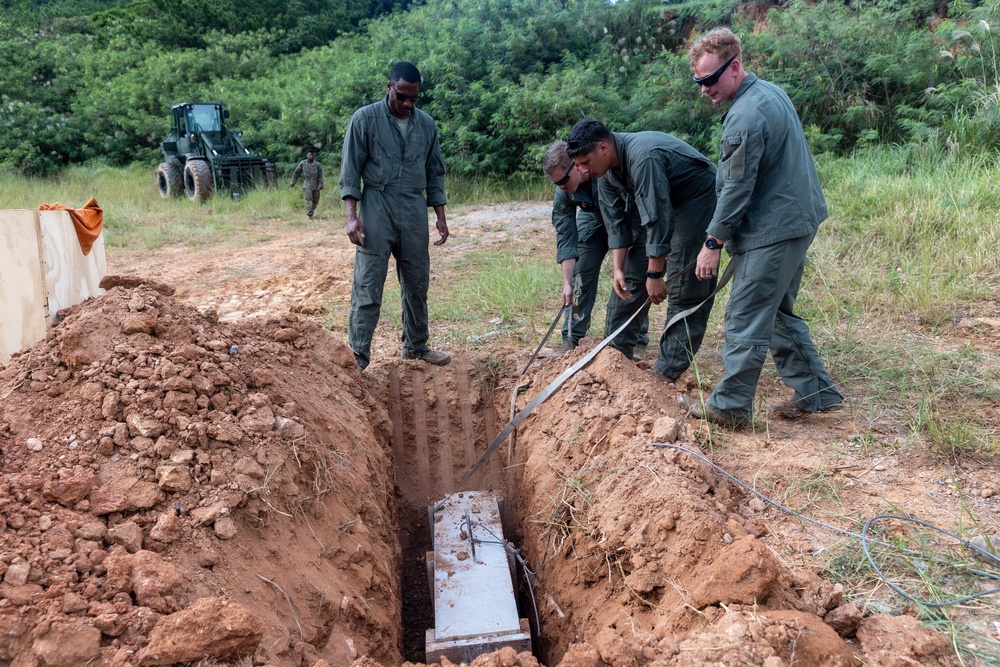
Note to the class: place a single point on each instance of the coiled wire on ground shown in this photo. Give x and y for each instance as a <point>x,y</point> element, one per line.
<point>866,541</point>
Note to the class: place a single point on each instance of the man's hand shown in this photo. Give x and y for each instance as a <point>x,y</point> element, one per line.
<point>442,225</point>
<point>708,264</point>
<point>656,288</point>
<point>355,231</point>
<point>567,293</point>
<point>621,288</point>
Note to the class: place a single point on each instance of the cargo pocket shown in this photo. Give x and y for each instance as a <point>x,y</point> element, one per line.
<point>733,156</point>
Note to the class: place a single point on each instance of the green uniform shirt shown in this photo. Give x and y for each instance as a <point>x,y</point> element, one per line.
<point>768,188</point>
<point>375,153</point>
<point>576,218</point>
<point>664,180</point>
<point>311,175</point>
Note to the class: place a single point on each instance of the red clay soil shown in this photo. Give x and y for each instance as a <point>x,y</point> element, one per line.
<point>177,490</point>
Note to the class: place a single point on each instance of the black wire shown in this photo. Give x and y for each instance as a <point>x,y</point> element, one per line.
<point>871,561</point>
<point>865,540</point>
<point>524,566</point>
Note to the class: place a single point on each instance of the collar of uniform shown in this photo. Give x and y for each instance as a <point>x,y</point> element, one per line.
<point>619,173</point>
<point>584,193</point>
<point>748,81</point>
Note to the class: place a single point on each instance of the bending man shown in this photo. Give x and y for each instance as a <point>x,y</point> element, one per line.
<point>670,185</point>
<point>581,245</point>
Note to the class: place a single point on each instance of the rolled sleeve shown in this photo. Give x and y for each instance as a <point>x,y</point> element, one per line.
<point>740,155</point>
<point>652,199</point>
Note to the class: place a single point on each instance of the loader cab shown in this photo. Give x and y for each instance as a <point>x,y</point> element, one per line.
<point>193,119</point>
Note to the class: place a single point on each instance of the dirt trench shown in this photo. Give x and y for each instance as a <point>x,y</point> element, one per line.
<point>179,490</point>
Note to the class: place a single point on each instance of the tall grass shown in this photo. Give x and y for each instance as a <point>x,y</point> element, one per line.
<point>136,217</point>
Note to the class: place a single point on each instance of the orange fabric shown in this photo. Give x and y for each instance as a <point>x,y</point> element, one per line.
<point>88,221</point>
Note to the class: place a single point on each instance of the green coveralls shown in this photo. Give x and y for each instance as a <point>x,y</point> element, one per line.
<point>672,187</point>
<point>393,212</point>
<point>312,183</point>
<point>580,234</point>
<point>770,206</point>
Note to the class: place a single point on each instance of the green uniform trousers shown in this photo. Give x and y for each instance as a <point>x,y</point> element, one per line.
<point>759,317</point>
<point>395,224</point>
<point>620,310</point>
<point>312,200</point>
<point>591,254</point>
<point>679,344</point>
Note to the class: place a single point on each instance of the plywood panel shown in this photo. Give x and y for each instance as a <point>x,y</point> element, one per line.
<point>22,289</point>
<point>41,259</point>
<point>70,276</point>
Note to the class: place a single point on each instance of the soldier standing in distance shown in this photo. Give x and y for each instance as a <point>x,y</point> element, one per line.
<point>311,173</point>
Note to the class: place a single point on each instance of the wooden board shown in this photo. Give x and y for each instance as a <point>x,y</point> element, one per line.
<point>22,288</point>
<point>42,270</point>
<point>70,276</point>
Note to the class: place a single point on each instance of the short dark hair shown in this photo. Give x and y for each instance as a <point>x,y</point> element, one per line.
<point>584,136</point>
<point>405,71</point>
<point>311,151</point>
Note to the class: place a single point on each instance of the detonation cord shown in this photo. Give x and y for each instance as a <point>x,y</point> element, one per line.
<point>865,540</point>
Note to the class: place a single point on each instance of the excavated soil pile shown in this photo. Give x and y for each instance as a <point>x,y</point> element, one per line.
<point>647,556</point>
<point>176,490</point>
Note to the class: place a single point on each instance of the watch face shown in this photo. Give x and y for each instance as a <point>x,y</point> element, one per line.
<point>712,244</point>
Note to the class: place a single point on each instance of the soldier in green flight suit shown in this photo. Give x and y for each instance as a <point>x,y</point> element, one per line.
<point>770,206</point>
<point>311,173</point>
<point>672,188</point>
<point>390,174</point>
<point>581,245</point>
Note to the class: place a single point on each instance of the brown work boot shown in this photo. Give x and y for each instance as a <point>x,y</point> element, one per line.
<point>432,357</point>
<point>657,375</point>
<point>789,410</point>
<point>700,410</point>
<point>567,346</point>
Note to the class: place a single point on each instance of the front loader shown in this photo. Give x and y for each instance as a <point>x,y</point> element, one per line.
<point>202,154</point>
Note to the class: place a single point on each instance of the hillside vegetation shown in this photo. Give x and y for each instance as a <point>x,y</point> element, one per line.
<point>92,80</point>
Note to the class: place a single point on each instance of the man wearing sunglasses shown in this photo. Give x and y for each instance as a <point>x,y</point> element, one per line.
<point>581,245</point>
<point>656,186</point>
<point>770,205</point>
<point>391,147</point>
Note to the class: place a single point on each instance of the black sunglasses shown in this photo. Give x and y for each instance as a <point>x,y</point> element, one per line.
<point>714,77</point>
<point>564,179</point>
<point>403,98</point>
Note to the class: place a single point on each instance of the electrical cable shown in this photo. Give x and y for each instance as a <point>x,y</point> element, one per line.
<point>529,574</point>
<point>865,540</point>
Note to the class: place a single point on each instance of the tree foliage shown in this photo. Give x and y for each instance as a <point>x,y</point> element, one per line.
<point>92,79</point>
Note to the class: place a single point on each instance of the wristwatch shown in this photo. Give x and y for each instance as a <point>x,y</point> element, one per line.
<point>655,274</point>
<point>712,244</point>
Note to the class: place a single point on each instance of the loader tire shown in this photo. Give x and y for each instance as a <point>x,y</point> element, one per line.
<point>169,180</point>
<point>198,180</point>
